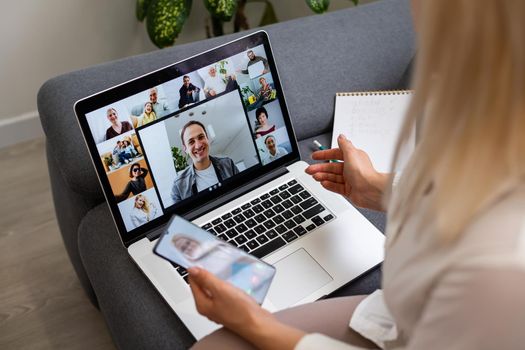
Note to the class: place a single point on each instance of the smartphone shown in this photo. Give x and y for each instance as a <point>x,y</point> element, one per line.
<point>188,245</point>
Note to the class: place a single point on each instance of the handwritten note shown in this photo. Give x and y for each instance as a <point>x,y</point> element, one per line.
<point>373,121</point>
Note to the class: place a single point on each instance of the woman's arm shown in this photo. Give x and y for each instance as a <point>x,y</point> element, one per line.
<point>125,193</point>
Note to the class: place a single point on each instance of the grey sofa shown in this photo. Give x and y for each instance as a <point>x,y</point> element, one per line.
<point>365,48</point>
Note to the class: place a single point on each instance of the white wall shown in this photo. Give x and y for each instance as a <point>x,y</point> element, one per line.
<point>41,39</point>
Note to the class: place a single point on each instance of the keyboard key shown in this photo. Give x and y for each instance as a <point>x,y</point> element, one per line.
<point>233,243</point>
<point>241,240</point>
<point>186,279</point>
<point>241,228</point>
<point>216,221</point>
<point>220,228</point>
<point>295,189</point>
<point>328,217</point>
<point>269,224</point>
<point>287,204</point>
<point>274,192</point>
<point>310,227</point>
<point>269,247</point>
<point>231,233</point>
<point>260,218</point>
<point>236,211</point>
<point>291,183</point>
<point>281,229</point>
<point>304,194</point>
<point>265,196</point>
<point>271,234</point>
<point>252,244</point>
<point>239,218</point>
<point>313,211</point>
<point>276,199</point>
<point>207,226</point>
<point>226,216</point>
<point>308,203</point>
<point>262,239</point>
<point>223,237</point>
<point>296,210</point>
<point>278,208</point>
<point>285,195</point>
<point>212,231</point>
<point>299,219</point>
<point>245,248</point>
<point>267,204</point>
<point>182,271</point>
<point>269,213</point>
<point>317,220</point>
<point>258,209</point>
<point>249,213</point>
<point>229,223</point>
<point>250,234</point>
<point>255,201</point>
<point>245,206</point>
<point>289,236</point>
<point>289,224</point>
<point>250,223</point>
<point>299,230</point>
<point>287,214</point>
<point>259,229</point>
<point>278,219</point>
<point>283,187</point>
<point>296,199</point>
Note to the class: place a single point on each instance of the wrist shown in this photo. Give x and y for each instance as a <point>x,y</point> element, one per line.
<point>378,184</point>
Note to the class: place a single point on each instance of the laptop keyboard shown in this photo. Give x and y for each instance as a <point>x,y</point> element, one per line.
<point>270,221</point>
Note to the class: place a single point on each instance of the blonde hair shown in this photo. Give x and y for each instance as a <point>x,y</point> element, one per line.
<point>145,207</point>
<point>469,106</point>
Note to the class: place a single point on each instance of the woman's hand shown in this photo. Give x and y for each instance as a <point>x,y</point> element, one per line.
<point>354,178</point>
<point>223,303</point>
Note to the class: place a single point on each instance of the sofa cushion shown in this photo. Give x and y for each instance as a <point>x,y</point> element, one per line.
<point>363,48</point>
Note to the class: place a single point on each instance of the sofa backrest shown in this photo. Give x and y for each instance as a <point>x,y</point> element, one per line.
<point>363,48</point>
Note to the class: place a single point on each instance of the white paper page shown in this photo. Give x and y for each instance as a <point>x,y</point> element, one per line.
<point>373,123</point>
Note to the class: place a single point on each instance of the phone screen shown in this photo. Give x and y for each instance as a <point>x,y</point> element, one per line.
<point>188,245</point>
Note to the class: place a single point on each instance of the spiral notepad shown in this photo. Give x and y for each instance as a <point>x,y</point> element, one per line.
<point>372,121</point>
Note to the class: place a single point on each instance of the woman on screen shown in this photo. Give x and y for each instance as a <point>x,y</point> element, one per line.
<point>143,211</point>
<point>137,184</point>
<point>148,115</point>
<point>261,120</point>
<point>117,127</point>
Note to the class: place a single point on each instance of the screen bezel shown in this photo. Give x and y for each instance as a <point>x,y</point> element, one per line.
<point>158,77</point>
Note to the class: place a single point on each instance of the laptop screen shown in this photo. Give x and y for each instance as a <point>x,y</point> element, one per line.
<point>180,137</point>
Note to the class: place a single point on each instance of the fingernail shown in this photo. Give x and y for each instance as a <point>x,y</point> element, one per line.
<point>341,136</point>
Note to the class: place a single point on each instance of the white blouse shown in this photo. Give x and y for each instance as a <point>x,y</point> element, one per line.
<point>469,295</point>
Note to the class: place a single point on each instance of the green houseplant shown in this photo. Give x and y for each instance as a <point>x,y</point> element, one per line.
<point>165,18</point>
<point>180,159</point>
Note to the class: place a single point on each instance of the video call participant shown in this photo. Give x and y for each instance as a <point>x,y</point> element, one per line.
<point>137,184</point>
<point>189,93</point>
<point>117,127</point>
<point>148,115</point>
<point>274,151</point>
<point>216,83</point>
<point>261,119</point>
<point>265,91</point>
<point>160,108</point>
<point>143,211</point>
<point>120,152</point>
<point>206,170</point>
<point>254,59</point>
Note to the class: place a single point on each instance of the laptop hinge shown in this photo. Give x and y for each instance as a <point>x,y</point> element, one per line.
<point>199,211</point>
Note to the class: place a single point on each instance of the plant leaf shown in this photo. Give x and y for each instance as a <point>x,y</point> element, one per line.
<point>142,9</point>
<point>318,6</point>
<point>269,16</point>
<point>356,2</point>
<point>221,9</point>
<point>165,19</point>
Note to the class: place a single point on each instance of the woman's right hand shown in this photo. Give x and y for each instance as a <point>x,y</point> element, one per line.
<point>354,177</point>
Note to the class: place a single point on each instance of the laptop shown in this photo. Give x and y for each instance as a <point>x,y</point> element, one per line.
<point>211,140</point>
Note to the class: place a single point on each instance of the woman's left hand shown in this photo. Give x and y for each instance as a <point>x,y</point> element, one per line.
<point>223,303</point>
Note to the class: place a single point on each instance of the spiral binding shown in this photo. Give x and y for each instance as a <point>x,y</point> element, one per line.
<point>376,93</point>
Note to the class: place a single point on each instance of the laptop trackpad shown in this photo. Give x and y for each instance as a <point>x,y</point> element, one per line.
<point>298,275</point>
